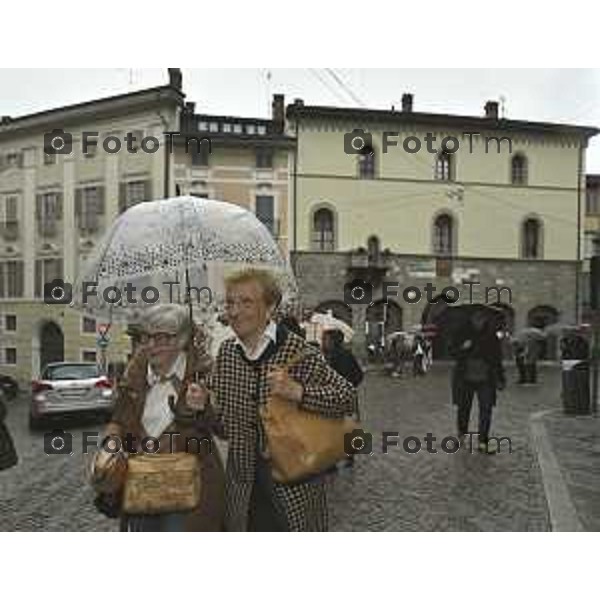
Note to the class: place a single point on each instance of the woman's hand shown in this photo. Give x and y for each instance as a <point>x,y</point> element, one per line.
<point>197,397</point>
<point>280,384</point>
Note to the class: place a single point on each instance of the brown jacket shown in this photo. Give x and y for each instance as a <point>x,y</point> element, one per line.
<point>127,417</point>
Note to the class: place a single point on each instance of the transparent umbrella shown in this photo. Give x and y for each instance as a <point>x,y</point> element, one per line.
<point>155,251</point>
<point>320,322</point>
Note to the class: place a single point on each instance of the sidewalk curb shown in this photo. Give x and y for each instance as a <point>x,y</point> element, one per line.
<point>563,515</point>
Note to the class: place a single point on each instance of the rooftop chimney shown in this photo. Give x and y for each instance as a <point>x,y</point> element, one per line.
<point>278,113</point>
<point>190,107</point>
<point>299,102</point>
<point>491,109</point>
<point>407,102</point>
<point>175,78</point>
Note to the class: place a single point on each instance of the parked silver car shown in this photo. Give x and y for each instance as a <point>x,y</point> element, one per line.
<point>68,388</point>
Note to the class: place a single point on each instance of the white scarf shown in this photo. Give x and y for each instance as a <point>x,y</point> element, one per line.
<point>157,413</point>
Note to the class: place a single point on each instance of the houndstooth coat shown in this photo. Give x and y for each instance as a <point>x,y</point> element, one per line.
<point>239,388</point>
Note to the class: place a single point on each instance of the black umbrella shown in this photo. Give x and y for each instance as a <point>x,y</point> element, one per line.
<point>458,318</point>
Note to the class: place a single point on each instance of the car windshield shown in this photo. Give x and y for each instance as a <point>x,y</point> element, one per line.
<point>66,372</point>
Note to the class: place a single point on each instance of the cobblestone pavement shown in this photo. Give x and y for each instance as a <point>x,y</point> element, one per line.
<point>576,446</point>
<point>455,492</point>
<point>393,492</point>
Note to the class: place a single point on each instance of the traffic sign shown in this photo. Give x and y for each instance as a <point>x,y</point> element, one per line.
<point>102,342</point>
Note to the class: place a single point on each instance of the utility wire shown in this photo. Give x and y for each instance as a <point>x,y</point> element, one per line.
<point>345,87</point>
<point>324,82</point>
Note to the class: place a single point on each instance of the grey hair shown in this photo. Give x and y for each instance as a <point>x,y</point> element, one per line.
<point>173,318</point>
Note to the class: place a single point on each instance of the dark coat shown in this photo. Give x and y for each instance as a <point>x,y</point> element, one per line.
<point>8,454</point>
<point>485,346</point>
<point>127,416</point>
<point>240,388</point>
<point>345,364</point>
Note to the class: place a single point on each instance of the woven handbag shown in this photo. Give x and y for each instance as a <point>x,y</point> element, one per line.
<point>162,483</point>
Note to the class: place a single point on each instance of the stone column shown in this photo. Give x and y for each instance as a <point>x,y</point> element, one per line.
<point>70,231</point>
<point>359,341</point>
<point>111,188</point>
<point>28,220</point>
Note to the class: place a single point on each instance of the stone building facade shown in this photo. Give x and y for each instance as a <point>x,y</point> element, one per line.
<point>368,206</point>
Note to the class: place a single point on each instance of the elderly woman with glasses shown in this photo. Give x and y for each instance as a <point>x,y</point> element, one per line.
<point>160,396</point>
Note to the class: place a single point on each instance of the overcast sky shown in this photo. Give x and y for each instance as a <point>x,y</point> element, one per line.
<point>557,95</point>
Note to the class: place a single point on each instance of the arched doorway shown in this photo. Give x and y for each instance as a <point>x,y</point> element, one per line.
<point>541,316</point>
<point>52,344</point>
<point>382,319</point>
<point>340,310</point>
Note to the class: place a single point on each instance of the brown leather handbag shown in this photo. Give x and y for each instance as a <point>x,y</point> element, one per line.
<point>302,443</point>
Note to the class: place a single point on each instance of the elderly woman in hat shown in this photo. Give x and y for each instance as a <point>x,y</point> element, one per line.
<point>159,397</point>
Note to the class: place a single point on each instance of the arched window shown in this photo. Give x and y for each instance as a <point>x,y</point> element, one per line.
<point>373,248</point>
<point>518,170</point>
<point>444,166</point>
<point>531,244</point>
<point>323,231</point>
<point>443,235</point>
<point>366,162</point>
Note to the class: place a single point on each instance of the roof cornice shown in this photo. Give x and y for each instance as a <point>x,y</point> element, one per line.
<point>93,110</point>
<point>302,112</point>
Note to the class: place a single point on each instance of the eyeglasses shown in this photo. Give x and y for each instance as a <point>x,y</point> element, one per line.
<point>160,338</point>
<point>244,303</point>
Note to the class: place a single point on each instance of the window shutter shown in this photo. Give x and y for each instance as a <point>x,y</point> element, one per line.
<point>78,207</point>
<point>12,209</point>
<point>20,279</point>
<point>59,203</point>
<point>38,207</point>
<point>148,190</point>
<point>100,201</point>
<point>122,197</point>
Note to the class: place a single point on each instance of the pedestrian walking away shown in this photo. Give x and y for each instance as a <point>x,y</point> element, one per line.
<point>478,371</point>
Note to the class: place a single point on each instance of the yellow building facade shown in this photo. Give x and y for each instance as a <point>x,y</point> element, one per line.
<point>502,199</point>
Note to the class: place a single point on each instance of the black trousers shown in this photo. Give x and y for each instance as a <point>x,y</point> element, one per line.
<point>486,397</point>
<point>521,369</point>
<point>530,372</point>
<point>264,514</point>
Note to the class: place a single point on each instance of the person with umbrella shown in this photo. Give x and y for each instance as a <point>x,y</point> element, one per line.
<point>519,351</point>
<point>154,399</point>
<point>531,355</point>
<point>251,366</point>
<point>8,454</point>
<point>478,370</point>
<point>343,362</point>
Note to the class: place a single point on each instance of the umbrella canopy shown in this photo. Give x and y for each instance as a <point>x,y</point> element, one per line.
<point>167,243</point>
<point>456,318</point>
